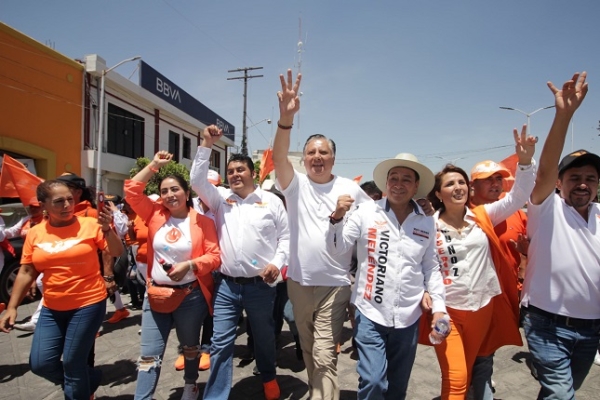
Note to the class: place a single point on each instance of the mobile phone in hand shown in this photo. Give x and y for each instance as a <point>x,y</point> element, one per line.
<point>100,201</point>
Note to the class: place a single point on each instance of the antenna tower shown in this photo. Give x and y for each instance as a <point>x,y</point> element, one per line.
<point>299,50</point>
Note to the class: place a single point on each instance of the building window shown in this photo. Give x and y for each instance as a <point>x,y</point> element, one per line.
<point>215,160</point>
<point>174,145</point>
<point>187,148</point>
<point>125,133</point>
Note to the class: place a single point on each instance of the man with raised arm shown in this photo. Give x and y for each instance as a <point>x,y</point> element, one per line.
<point>254,239</point>
<point>561,292</point>
<point>318,283</point>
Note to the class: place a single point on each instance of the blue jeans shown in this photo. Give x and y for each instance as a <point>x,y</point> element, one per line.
<point>156,326</point>
<point>481,378</point>
<point>385,358</point>
<point>69,334</point>
<point>561,355</point>
<point>230,298</point>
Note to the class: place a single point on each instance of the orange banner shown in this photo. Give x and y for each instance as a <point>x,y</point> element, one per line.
<point>266,164</point>
<point>17,181</point>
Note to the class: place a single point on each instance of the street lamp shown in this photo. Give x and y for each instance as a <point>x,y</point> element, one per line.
<point>262,120</point>
<point>100,143</point>
<point>528,115</point>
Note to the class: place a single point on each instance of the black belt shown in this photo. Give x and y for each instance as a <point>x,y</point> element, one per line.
<point>564,320</point>
<point>242,280</point>
<point>189,285</point>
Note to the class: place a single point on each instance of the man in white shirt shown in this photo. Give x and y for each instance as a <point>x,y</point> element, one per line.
<point>318,283</point>
<point>254,240</point>
<point>396,255</point>
<point>561,292</point>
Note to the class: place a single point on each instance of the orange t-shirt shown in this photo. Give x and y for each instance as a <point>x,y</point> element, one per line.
<point>141,239</point>
<point>68,257</point>
<point>85,209</point>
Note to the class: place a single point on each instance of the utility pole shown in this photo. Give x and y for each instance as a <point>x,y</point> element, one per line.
<point>244,149</point>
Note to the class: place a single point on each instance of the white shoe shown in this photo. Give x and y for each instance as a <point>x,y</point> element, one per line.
<point>26,326</point>
<point>190,392</point>
<point>596,359</point>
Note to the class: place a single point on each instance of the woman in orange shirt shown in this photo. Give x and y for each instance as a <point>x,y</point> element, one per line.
<point>65,248</point>
<point>182,252</point>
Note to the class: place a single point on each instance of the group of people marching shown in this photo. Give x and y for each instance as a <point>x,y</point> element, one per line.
<point>436,247</point>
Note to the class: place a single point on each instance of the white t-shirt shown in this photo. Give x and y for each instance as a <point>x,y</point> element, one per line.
<point>394,262</point>
<point>173,243</point>
<point>309,206</point>
<point>563,268</point>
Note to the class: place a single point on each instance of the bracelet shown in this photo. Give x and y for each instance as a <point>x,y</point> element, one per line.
<point>334,220</point>
<point>106,231</point>
<point>155,170</point>
<point>191,265</point>
<point>109,278</point>
<point>284,127</point>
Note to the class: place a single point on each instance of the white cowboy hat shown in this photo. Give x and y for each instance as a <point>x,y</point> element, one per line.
<point>426,178</point>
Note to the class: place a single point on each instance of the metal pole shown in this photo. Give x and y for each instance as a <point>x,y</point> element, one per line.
<point>100,142</point>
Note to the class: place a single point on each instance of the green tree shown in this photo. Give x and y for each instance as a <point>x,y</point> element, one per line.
<point>172,168</point>
<point>257,170</point>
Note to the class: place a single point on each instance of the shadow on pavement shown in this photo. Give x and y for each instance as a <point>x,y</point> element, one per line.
<point>251,388</point>
<point>122,324</point>
<point>121,372</point>
<point>10,372</point>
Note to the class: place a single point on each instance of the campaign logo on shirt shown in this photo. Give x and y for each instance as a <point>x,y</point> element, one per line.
<point>261,204</point>
<point>58,246</point>
<point>173,235</point>
<point>230,202</point>
<point>379,224</point>
<point>420,232</point>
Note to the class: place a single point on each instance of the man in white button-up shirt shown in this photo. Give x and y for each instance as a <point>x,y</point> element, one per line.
<point>254,240</point>
<point>396,255</point>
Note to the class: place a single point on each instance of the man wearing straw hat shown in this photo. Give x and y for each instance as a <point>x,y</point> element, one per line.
<point>396,255</point>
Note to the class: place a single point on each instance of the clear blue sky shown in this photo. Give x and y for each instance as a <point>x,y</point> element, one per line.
<point>380,77</point>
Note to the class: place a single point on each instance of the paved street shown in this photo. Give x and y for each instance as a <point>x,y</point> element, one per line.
<point>118,347</point>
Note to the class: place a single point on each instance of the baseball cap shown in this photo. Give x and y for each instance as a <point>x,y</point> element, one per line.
<point>485,169</point>
<point>214,177</point>
<point>577,159</point>
<point>115,198</point>
<point>72,180</point>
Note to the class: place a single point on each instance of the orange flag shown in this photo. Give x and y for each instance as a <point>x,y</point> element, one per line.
<point>510,163</point>
<point>17,181</point>
<point>357,179</point>
<point>266,164</point>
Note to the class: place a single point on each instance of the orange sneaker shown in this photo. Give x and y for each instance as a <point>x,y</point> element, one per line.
<point>271,389</point>
<point>179,363</point>
<point>118,316</point>
<point>204,363</point>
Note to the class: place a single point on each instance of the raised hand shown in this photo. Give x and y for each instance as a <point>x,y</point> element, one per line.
<point>344,204</point>
<point>573,91</point>
<point>211,135</point>
<point>289,100</point>
<point>524,145</point>
<point>162,158</point>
